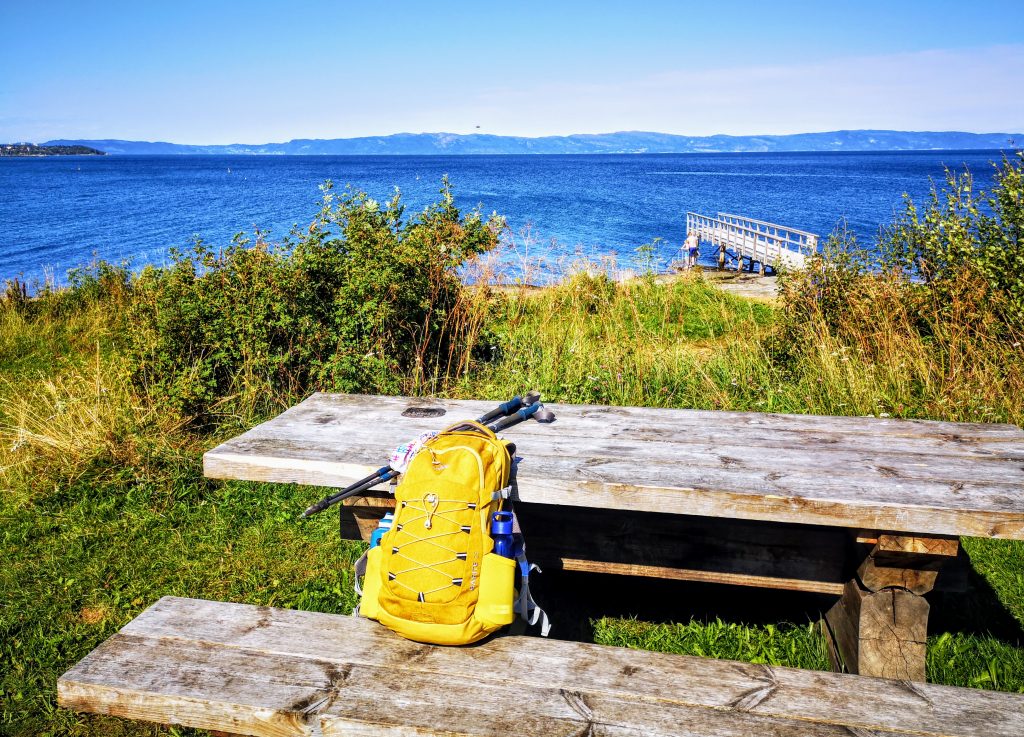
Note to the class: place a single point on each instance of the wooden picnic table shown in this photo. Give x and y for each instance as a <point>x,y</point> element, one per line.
<point>864,508</point>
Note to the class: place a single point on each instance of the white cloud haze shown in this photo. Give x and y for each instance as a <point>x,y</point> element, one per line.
<point>967,89</point>
<point>976,91</point>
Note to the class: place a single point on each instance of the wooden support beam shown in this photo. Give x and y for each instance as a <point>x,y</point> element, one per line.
<point>906,561</point>
<point>881,633</point>
<point>701,576</point>
<point>945,546</point>
<point>880,624</point>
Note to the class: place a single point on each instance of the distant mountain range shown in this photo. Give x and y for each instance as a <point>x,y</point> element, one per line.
<point>627,142</point>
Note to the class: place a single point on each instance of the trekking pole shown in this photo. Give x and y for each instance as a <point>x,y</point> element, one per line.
<point>513,407</point>
<point>514,419</point>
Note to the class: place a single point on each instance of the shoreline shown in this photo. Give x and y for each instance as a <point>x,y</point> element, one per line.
<point>746,285</point>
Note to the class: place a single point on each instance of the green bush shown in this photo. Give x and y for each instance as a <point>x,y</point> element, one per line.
<point>363,300</point>
<point>929,324</point>
<point>99,282</point>
<point>961,253</point>
<point>962,236</point>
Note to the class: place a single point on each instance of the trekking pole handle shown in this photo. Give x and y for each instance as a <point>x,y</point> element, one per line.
<point>524,414</point>
<point>506,408</point>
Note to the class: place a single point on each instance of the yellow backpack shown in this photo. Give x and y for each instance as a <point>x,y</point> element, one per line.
<point>434,577</point>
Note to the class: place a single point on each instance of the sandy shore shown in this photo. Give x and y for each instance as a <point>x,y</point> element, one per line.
<point>765,288</point>
<point>753,286</point>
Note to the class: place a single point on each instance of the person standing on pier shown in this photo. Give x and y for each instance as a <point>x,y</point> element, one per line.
<point>692,246</point>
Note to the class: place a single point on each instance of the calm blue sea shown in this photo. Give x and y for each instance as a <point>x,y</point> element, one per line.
<point>60,212</point>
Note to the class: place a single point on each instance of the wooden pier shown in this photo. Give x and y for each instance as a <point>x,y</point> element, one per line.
<point>745,242</point>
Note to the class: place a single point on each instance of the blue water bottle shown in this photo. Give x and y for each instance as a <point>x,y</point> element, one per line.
<point>385,524</point>
<point>501,530</point>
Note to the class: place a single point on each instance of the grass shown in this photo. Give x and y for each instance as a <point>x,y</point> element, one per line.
<point>797,646</point>
<point>104,508</point>
<point>642,342</point>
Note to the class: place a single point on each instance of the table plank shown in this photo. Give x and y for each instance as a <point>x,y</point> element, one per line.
<point>937,478</point>
<point>264,671</point>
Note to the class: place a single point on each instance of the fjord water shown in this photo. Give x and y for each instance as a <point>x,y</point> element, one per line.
<point>61,212</point>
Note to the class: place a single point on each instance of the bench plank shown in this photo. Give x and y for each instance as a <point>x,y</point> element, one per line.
<point>932,478</point>
<point>253,691</point>
<point>263,671</point>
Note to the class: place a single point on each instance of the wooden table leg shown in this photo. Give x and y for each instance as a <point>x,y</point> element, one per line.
<point>359,516</point>
<point>879,626</point>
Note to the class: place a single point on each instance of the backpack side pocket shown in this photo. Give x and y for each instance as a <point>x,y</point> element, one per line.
<point>497,591</point>
<point>368,604</point>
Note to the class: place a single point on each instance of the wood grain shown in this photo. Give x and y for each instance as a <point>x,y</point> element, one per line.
<point>938,547</point>
<point>875,577</point>
<point>913,476</point>
<point>262,671</point>
<point>907,562</point>
<point>881,633</point>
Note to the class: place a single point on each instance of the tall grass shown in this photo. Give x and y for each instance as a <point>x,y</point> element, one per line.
<point>894,351</point>
<point>596,339</point>
<point>684,343</point>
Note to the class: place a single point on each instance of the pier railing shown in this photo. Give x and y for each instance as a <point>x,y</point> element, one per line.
<point>755,241</point>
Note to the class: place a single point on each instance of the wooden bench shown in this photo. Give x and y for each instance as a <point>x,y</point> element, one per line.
<point>865,509</point>
<point>250,670</point>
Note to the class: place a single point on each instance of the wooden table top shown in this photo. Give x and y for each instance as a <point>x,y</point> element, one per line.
<point>924,477</point>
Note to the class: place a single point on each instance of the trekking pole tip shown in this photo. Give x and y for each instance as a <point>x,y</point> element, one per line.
<point>310,511</point>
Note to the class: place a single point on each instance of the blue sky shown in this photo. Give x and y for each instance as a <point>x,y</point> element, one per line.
<point>254,72</point>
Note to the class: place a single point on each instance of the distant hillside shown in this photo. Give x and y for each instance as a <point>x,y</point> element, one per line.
<point>601,143</point>
<point>57,149</point>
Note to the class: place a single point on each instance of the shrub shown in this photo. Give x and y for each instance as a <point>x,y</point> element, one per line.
<point>930,324</point>
<point>363,300</point>
<point>961,237</point>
